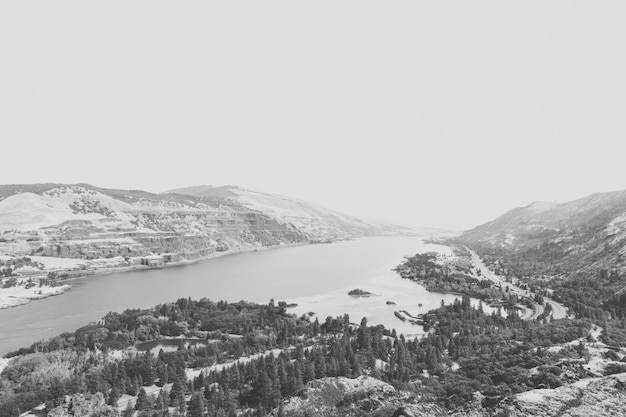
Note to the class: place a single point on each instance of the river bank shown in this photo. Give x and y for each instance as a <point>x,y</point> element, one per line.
<point>319,275</point>
<point>19,295</point>
<point>79,269</point>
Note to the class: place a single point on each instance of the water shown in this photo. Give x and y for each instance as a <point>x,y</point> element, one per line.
<point>168,345</point>
<point>317,277</point>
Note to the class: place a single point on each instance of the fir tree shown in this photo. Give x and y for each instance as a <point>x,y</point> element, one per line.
<point>130,410</point>
<point>142,400</point>
<point>196,406</point>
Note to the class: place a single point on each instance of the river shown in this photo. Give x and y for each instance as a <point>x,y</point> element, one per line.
<point>317,277</point>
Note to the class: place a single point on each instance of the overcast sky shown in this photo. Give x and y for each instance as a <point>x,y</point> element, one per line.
<point>437,113</point>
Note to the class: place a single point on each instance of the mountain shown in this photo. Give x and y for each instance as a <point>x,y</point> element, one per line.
<point>584,235</point>
<point>314,221</point>
<point>86,222</point>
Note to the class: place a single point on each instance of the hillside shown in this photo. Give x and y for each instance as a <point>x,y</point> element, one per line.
<point>86,222</point>
<point>316,222</point>
<point>584,235</point>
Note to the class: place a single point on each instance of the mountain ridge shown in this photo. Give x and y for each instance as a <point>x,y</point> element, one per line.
<point>84,221</point>
<point>583,236</point>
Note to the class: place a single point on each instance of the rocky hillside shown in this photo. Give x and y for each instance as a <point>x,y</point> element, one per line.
<point>314,221</point>
<point>586,235</point>
<point>86,222</point>
<point>362,396</point>
<point>604,396</point>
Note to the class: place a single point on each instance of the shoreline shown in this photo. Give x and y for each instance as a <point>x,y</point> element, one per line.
<point>17,295</point>
<point>379,276</point>
<point>12,300</point>
<point>120,269</point>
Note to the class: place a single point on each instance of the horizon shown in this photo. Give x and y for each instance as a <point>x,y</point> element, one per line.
<point>439,115</point>
<point>304,199</point>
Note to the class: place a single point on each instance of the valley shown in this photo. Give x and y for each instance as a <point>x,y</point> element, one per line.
<point>53,232</point>
<point>312,209</point>
<point>557,310</point>
<point>497,321</point>
<point>324,273</point>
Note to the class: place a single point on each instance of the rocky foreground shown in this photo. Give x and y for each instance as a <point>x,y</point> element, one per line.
<point>367,396</point>
<point>604,396</point>
<point>339,396</point>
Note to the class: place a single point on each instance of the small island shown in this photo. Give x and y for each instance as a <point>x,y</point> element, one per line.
<point>357,292</point>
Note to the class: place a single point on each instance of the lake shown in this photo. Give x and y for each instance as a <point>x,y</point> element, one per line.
<point>317,277</point>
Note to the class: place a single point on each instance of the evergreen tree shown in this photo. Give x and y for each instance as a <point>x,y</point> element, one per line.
<point>142,400</point>
<point>309,372</point>
<point>177,395</point>
<point>297,374</point>
<point>196,406</point>
<point>263,389</point>
<point>129,411</point>
<point>114,395</point>
<point>148,372</point>
<point>163,374</point>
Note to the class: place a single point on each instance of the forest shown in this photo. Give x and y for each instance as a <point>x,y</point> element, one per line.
<point>448,278</point>
<point>598,295</point>
<point>466,351</point>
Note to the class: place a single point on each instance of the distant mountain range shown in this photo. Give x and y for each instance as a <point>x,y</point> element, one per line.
<point>587,234</point>
<point>87,222</point>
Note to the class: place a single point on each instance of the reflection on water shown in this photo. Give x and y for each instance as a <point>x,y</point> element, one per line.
<point>386,286</point>
<point>317,277</point>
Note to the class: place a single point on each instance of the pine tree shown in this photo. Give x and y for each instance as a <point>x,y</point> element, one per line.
<point>130,410</point>
<point>163,374</point>
<point>148,371</point>
<point>297,374</point>
<point>142,400</point>
<point>320,365</point>
<point>160,403</point>
<point>114,395</point>
<point>196,406</point>
<point>263,389</point>
<point>309,371</point>
<point>363,336</point>
<point>177,395</point>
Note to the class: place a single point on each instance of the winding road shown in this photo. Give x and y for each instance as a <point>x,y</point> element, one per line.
<point>559,311</point>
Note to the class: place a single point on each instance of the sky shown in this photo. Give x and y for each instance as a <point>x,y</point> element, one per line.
<point>443,114</point>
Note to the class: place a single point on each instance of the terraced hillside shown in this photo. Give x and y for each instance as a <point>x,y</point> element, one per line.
<point>87,222</point>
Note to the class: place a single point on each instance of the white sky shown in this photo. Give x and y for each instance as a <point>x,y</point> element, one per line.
<point>437,113</point>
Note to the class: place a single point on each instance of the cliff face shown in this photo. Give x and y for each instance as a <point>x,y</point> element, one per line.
<point>86,222</point>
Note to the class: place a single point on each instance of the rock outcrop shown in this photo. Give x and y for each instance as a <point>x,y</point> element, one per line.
<point>339,396</point>
<point>604,396</point>
<point>84,405</point>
